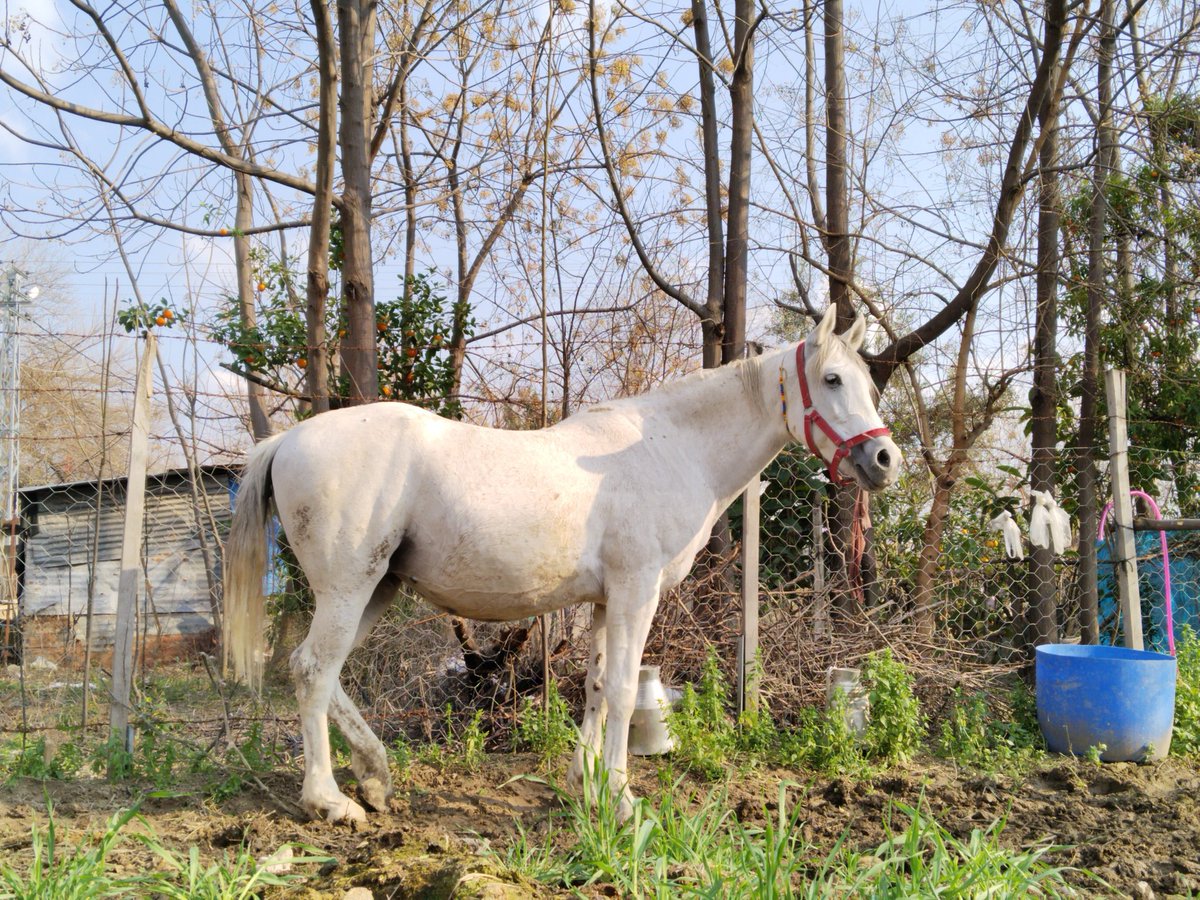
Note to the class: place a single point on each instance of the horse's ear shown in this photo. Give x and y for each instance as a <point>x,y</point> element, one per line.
<point>825,329</point>
<point>858,331</point>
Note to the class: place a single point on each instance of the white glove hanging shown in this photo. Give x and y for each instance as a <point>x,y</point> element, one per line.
<point>1049,524</point>
<point>1007,526</point>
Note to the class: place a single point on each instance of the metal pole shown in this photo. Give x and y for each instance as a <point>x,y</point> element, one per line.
<point>10,430</point>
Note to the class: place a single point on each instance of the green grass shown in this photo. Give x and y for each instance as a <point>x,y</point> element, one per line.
<point>547,731</point>
<point>83,871</point>
<point>1185,740</point>
<point>981,734</point>
<point>684,846</point>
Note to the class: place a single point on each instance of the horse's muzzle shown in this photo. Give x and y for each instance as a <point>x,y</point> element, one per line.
<point>876,463</point>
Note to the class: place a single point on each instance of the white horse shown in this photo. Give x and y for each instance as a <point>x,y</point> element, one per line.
<point>608,507</point>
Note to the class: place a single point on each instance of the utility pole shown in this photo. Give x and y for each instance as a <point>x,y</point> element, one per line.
<point>11,295</point>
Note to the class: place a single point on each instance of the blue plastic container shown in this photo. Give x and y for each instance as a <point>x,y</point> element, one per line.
<point>1123,699</point>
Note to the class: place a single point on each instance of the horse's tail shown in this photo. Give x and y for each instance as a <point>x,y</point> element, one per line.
<point>244,622</point>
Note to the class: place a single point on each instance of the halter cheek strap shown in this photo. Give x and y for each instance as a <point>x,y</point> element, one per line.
<point>813,418</point>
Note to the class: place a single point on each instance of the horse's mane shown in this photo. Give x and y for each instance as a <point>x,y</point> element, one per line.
<point>750,372</point>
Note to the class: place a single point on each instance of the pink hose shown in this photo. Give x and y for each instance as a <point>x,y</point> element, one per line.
<point>1162,538</point>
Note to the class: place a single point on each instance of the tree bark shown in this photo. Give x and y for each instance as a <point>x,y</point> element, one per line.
<point>837,242</point>
<point>711,324</point>
<point>356,28</point>
<point>741,95</point>
<point>1089,407</point>
<point>1041,615</point>
<point>317,281</point>
<point>924,611</point>
<point>837,212</point>
<point>260,425</point>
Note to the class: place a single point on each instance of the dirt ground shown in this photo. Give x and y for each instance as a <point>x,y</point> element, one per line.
<point>1137,827</point>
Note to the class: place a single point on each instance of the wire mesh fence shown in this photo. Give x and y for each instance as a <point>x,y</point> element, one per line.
<point>953,614</point>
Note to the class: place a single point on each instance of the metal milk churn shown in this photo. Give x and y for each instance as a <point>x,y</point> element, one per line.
<point>858,704</point>
<point>648,734</point>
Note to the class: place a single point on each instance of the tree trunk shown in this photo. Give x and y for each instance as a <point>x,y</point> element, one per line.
<point>1089,408</point>
<point>260,425</point>
<point>837,212</point>
<point>711,326</point>
<point>317,280</point>
<point>837,225</point>
<point>924,611</point>
<point>1043,396</point>
<point>356,27</point>
<point>978,282</point>
<point>410,190</point>
<point>741,95</point>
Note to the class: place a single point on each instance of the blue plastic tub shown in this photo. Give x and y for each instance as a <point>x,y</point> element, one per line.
<point>1111,696</point>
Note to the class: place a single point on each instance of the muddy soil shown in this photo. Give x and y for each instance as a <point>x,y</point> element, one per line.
<point>1137,827</point>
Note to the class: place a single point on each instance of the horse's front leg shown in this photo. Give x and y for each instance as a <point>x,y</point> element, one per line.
<point>631,604</point>
<point>587,751</point>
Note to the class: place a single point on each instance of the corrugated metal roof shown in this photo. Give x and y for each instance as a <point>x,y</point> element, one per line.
<point>181,473</point>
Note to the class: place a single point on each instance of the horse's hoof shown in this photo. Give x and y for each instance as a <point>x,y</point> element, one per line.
<point>343,810</point>
<point>625,807</point>
<point>375,793</point>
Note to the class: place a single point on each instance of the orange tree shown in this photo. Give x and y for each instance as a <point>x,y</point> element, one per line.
<point>411,336</point>
<point>137,317</point>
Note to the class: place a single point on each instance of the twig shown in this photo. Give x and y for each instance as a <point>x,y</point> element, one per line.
<point>286,805</point>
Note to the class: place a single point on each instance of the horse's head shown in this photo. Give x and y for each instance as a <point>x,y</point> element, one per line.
<point>838,420</point>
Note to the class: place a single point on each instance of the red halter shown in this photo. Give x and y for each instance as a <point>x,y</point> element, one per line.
<point>813,417</point>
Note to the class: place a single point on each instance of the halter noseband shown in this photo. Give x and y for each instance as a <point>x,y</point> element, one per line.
<point>813,417</point>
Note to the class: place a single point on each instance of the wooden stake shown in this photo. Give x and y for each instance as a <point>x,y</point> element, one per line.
<point>749,675</point>
<point>1126,549</point>
<point>131,548</point>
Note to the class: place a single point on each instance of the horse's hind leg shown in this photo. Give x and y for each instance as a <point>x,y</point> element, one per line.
<point>316,665</point>
<point>631,604</point>
<point>368,758</point>
<point>595,708</point>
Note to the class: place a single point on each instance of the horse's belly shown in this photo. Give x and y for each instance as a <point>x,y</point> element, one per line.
<point>532,576</point>
<point>494,606</point>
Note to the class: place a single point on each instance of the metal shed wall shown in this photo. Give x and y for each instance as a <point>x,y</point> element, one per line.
<point>64,535</point>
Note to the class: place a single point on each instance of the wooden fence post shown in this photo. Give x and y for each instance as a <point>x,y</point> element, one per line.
<point>749,675</point>
<point>1126,548</point>
<point>131,549</point>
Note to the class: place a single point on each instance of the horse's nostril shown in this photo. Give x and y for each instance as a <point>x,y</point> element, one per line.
<point>883,458</point>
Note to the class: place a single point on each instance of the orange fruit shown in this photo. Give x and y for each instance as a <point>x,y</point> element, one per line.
<point>410,333</point>
<point>382,326</point>
<point>437,339</point>
<point>223,232</point>
<point>160,320</point>
<point>262,285</point>
<point>386,390</point>
<point>409,377</point>
<point>168,314</point>
<point>411,352</point>
<point>302,363</point>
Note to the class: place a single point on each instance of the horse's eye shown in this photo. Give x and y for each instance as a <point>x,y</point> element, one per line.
<point>833,380</point>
